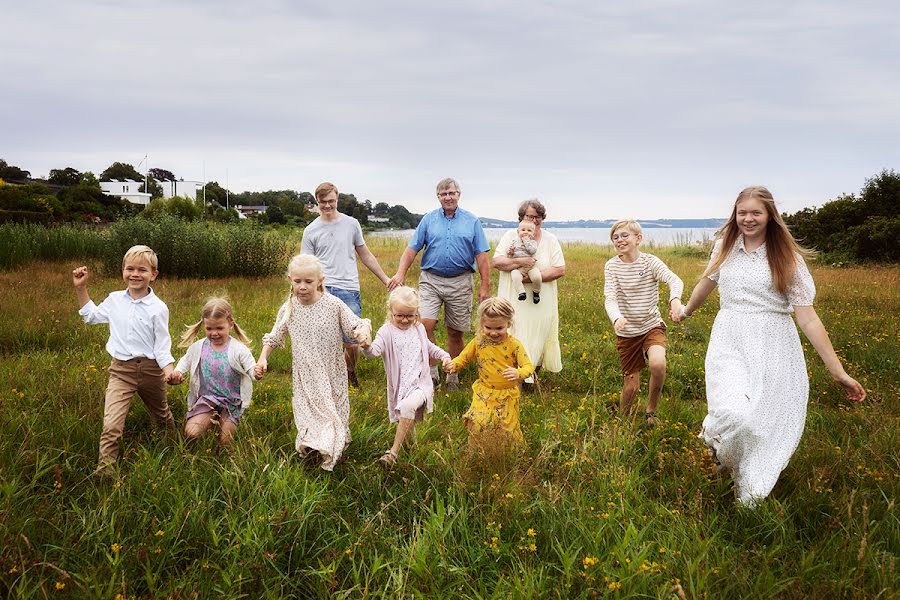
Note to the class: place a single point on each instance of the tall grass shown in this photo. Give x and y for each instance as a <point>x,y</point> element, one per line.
<point>21,243</point>
<point>185,249</point>
<point>596,506</point>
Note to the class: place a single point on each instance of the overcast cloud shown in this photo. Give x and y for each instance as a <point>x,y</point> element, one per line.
<point>645,109</point>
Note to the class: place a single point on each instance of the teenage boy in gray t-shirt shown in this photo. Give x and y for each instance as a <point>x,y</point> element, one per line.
<point>336,239</point>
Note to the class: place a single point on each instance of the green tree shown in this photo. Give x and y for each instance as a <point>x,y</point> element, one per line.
<point>275,215</point>
<point>121,172</point>
<point>162,174</point>
<point>11,173</point>
<point>67,176</point>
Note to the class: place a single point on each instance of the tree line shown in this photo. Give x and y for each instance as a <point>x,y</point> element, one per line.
<point>70,195</point>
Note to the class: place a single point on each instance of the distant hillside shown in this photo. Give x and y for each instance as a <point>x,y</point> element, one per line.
<point>593,223</point>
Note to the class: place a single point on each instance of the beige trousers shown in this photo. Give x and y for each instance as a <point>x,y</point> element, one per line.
<point>141,376</point>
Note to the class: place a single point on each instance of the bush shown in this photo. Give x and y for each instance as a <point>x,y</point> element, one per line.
<point>200,249</point>
<point>20,243</point>
<point>876,239</point>
<point>854,228</point>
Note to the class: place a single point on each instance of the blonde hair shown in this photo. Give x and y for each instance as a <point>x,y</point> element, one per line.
<point>300,262</point>
<point>404,296</point>
<point>215,308</point>
<point>141,252</point>
<point>629,224</point>
<point>781,247</point>
<point>325,188</point>
<point>526,223</point>
<point>496,308</point>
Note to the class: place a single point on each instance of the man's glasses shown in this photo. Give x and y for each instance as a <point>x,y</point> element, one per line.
<point>447,194</point>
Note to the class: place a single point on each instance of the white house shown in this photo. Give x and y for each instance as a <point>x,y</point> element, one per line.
<point>185,189</point>
<point>127,190</point>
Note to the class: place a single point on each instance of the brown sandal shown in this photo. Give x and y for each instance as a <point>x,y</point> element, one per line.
<point>388,459</point>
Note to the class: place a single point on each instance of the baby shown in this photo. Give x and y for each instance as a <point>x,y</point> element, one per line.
<point>525,246</point>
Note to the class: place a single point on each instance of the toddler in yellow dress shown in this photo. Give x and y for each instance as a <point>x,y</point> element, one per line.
<point>502,362</point>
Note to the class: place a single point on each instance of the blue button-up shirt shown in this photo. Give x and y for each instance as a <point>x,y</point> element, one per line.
<point>451,244</point>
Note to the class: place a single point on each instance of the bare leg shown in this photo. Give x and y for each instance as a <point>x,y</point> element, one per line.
<point>197,425</point>
<point>226,430</point>
<point>403,427</point>
<point>630,387</point>
<point>656,356</point>
<point>454,342</point>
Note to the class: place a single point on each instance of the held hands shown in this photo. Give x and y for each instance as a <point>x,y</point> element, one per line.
<point>362,335</point>
<point>447,364</point>
<point>676,311</point>
<point>175,378</point>
<point>262,365</point>
<point>510,374</point>
<point>620,324</point>
<point>395,281</point>
<point>80,277</point>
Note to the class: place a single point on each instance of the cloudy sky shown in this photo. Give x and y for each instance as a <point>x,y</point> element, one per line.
<point>648,109</point>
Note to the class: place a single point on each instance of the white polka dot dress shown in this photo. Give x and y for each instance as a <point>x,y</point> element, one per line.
<point>320,400</point>
<point>756,381</point>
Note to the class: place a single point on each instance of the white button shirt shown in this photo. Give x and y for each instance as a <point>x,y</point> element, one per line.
<point>137,328</point>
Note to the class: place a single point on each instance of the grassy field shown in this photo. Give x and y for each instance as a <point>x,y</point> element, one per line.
<point>595,507</point>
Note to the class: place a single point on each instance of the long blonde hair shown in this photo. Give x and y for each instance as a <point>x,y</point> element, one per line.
<point>781,247</point>
<point>404,296</point>
<point>297,263</point>
<point>215,308</point>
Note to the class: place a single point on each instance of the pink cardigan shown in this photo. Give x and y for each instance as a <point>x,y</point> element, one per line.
<point>384,346</point>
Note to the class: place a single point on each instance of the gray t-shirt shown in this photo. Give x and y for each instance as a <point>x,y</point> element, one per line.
<point>334,244</point>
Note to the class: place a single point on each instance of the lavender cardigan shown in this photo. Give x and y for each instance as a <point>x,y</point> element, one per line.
<point>384,346</point>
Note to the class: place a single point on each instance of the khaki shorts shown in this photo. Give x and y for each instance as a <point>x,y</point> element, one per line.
<point>455,293</point>
<point>633,350</point>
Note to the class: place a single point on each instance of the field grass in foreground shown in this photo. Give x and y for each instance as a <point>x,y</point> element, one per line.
<point>595,507</point>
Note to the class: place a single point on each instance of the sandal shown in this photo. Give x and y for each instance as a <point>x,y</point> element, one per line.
<point>650,418</point>
<point>388,459</point>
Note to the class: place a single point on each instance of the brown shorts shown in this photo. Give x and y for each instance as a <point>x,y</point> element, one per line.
<point>632,350</point>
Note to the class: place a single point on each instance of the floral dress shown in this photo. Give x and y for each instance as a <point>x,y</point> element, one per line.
<point>220,385</point>
<point>495,401</point>
<point>756,381</point>
<point>320,399</point>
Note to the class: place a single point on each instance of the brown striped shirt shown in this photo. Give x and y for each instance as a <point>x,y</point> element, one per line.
<point>632,291</point>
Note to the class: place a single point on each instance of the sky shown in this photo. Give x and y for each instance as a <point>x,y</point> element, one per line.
<point>644,109</point>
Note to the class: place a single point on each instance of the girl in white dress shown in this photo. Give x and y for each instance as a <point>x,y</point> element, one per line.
<point>316,322</point>
<point>756,382</point>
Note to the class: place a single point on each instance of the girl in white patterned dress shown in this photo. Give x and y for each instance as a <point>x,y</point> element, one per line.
<point>316,322</point>
<point>756,382</point>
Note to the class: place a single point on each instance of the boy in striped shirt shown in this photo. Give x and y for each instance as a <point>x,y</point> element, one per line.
<point>631,289</point>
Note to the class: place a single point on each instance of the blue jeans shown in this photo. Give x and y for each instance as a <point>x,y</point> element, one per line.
<point>353,301</point>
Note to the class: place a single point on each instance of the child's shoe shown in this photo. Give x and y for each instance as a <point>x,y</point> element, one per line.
<point>536,296</point>
<point>435,376</point>
<point>388,460</point>
<point>522,297</point>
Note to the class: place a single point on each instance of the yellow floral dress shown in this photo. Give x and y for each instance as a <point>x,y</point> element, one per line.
<point>495,401</point>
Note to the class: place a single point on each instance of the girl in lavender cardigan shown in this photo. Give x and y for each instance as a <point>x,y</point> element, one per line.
<point>402,343</point>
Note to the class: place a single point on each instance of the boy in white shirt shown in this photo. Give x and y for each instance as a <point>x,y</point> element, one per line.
<point>139,344</point>
<point>631,287</point>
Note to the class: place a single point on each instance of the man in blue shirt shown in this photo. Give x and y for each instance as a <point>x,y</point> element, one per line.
<point>454,244</point>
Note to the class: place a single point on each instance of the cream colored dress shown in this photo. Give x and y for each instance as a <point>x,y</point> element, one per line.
<point>320,399</point>
<point>536,325</point>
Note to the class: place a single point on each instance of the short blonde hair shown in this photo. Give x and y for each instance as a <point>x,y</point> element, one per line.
<point>629,224</point>
<point>325,188</point>
<point>404,296</point>
<point>495,307</point>
<point>141,252</point>
<point>526,223</point>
